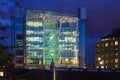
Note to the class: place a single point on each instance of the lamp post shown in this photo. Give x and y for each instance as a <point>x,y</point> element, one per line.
<point>66,62</point>
<point>52,56</point>
<point>52,62</point>
<point>53,68</point>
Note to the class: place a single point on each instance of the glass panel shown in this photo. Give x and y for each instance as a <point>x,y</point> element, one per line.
<point>51,41</point>
<point>19,28</point>
<point>19,20</point>
<point>19,36</point>
<point>51,24</point>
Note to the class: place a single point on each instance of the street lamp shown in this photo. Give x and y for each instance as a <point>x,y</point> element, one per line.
<point>52,56</point>
<point>53,68</point>
<point>66,62</point>
<point>66,59</point>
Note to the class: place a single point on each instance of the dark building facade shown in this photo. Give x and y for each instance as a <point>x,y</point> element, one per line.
<point>107,54</point>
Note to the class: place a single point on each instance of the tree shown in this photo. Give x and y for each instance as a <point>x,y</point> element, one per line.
<point>6,59</point>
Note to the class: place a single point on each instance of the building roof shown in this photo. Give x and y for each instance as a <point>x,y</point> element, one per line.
<point>50,12</point>
<point>115,34</point>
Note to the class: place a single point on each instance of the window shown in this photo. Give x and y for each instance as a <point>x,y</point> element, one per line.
<point>116,65</point>
<point>116,42</point>
<point>1,73</point>
<point>102,45</point>
<point>19,36</point>
<point>106,61</point>
<point>19,20</point>
<point>19,28</point>
<point>116,60</point>
<point>111,61</point>
<point>102,67</point>
<point>106,55</point>
<point>19,44</point>
<point>19,52</point>
<point>19,61</point>
<point>116,49</point>
<point>106,66</point>
<point>111,43</point>
<point>116,54</point>
<point>106,44</point>
<point>34,23</point>
<point>97,45</point>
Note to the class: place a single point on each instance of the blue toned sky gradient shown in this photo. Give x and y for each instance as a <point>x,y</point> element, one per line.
<point>102,15</point>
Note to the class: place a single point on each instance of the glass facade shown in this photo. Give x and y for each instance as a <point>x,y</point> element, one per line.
<point>51,36</point>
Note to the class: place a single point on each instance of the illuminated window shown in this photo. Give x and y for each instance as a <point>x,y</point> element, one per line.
<point>116,42</point>
<point>102,67</point>
<point>106,66</point>
<point>1,73</point>
<point>99,58</point>
<point>116,60</point>
<point>111,43</point>
<point>34,23</point>
<point>116,65</point>
<point>106,61</point>
<point>98,45</point>
<point>106,44</point>
<point>116,54</point>
<point>19,44</point>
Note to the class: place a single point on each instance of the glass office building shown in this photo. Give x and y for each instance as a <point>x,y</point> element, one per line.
<point>51,36</point>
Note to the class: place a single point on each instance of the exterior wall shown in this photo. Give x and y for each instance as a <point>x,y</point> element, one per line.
<point>107,53</point>
<point>51,36</point>
<point>82,37</point>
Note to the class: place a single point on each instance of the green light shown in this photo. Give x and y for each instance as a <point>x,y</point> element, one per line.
<point>34,23</point>
<point>51,24</point>
<point>51,41</point>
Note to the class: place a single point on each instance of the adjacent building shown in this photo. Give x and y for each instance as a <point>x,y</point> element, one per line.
<point>17,38</point>
<point>108,51</point>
